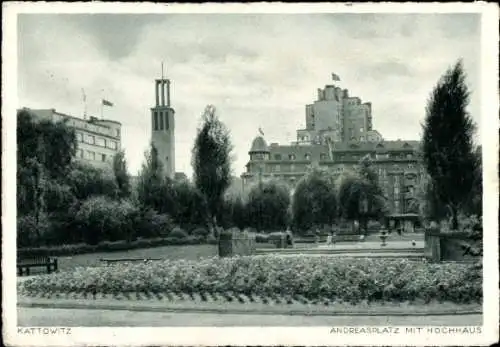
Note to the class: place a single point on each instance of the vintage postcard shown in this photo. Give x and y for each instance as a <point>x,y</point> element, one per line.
<point>250,174</point>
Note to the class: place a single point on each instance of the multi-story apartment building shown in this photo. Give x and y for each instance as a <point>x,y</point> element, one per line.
<point>99,140</point>
<point>338,135</point>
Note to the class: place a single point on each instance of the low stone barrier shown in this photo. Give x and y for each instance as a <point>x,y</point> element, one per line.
<point>236,243</point>
<point>449,246</point>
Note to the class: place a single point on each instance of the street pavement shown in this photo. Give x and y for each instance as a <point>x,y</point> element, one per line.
<point>43,317</point>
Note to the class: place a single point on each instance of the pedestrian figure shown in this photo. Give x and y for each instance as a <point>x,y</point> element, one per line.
<point>317,236</point>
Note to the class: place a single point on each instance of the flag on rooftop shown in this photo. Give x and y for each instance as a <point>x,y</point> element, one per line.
<point>107,103</point>
<point>261,131</point>
<point>335,77</point>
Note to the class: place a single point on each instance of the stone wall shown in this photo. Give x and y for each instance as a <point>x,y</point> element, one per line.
<point>446,246</point>
<point>236,243</point>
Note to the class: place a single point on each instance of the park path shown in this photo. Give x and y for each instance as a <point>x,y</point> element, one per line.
<point>43,317</point>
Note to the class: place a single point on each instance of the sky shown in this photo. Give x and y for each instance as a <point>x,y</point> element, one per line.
<point>259,70</point>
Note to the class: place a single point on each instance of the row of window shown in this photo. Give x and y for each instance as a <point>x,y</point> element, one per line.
<point>99,141</point>
<point>160,120</point>
<point>324,156</point>
<point>82,124</point>
<point>91,155</point>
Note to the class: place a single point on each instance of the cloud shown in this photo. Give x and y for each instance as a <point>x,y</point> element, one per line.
<point>258,70</point>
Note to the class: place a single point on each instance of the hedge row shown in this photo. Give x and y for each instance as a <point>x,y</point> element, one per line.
<point>115,246</point>
<point>341,280</point>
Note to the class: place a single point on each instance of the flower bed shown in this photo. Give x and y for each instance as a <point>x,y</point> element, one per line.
<point>282,279</point>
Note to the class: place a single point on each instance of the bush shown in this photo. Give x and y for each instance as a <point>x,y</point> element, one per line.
<point>101,218</point>
<point>30,233</point>
<point>211,239</point>
<point>177,233</point>
<point>261,238</point>
<point>150,223</point>
<point>348,280</point>
<point>202,232</point>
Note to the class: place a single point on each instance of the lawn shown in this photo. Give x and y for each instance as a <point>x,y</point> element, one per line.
<point>187,252</point>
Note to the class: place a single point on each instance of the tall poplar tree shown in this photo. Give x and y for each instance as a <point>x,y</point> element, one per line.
<point>448,149</point>
<point>211,162</point>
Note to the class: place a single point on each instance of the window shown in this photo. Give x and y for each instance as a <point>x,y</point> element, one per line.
<point>111,144</point>
<point>90,155</point>
<point>362,139</point>
<point>277,157</point>
<point>323,156</point>
<point>117,132</point>
<point>90,139</point>
<point>409,156</point>
<point>361,130</point>
<point>103,157</point>
<point>307,156</point>
<point>291,156</point>
<point>79,153</point>
<point>166,121</point>
<point>79,137</point>
<point>155,120</point>
<point>101,142</point>
<point>277,168</point>
<point>161,120</point>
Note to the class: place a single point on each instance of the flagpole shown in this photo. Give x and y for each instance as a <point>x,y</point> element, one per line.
<point>102,103</point>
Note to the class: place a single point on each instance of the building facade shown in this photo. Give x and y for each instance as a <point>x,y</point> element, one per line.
<point>98,140</point>
<point>338,134</point>
<point>163,127</point>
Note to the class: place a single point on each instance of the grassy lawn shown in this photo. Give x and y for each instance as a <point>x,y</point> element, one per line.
<point>188,252</point>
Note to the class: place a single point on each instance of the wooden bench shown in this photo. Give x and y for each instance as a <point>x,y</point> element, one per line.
<point>24,264</point>
<point>125,260</point>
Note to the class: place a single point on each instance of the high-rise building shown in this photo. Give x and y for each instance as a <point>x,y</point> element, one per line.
<point>163,127</point>
<point>338,134</point>
<point>98,140</point>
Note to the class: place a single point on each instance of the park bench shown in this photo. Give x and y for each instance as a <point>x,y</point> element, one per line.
<point>24,264</point>
<point>127,260</point>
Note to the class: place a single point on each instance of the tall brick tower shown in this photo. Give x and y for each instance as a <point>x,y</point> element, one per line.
<point>163,126</point>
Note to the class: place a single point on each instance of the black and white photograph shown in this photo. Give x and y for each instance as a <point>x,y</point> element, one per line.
<point>285,173</point>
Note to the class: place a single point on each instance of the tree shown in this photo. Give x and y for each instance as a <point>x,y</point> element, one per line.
<point>314,200</point>
<point>188,205</point>
<point>151,181</point>
<point>375,205</point>
<point>447,142</point>
<point>234,212</point>
<point>211,163</point>
<point>44,152</point>
<point>267,206</point>
<point>121,175</point>
<point>86,180</point>
<point>350,192</point>
<point>55,140</point>
<point>426,203</point>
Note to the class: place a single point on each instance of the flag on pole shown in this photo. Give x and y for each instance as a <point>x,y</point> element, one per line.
<point>261,131</point>
<point>107,103</point>
<point>335,77</point>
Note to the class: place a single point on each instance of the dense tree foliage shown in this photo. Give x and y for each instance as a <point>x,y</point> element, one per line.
<point>267,207</point>
<point>212,163</point>
<point>314,200</point>
<point>121,174</point>
<point>360,197</point>
<point>448,149</point>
